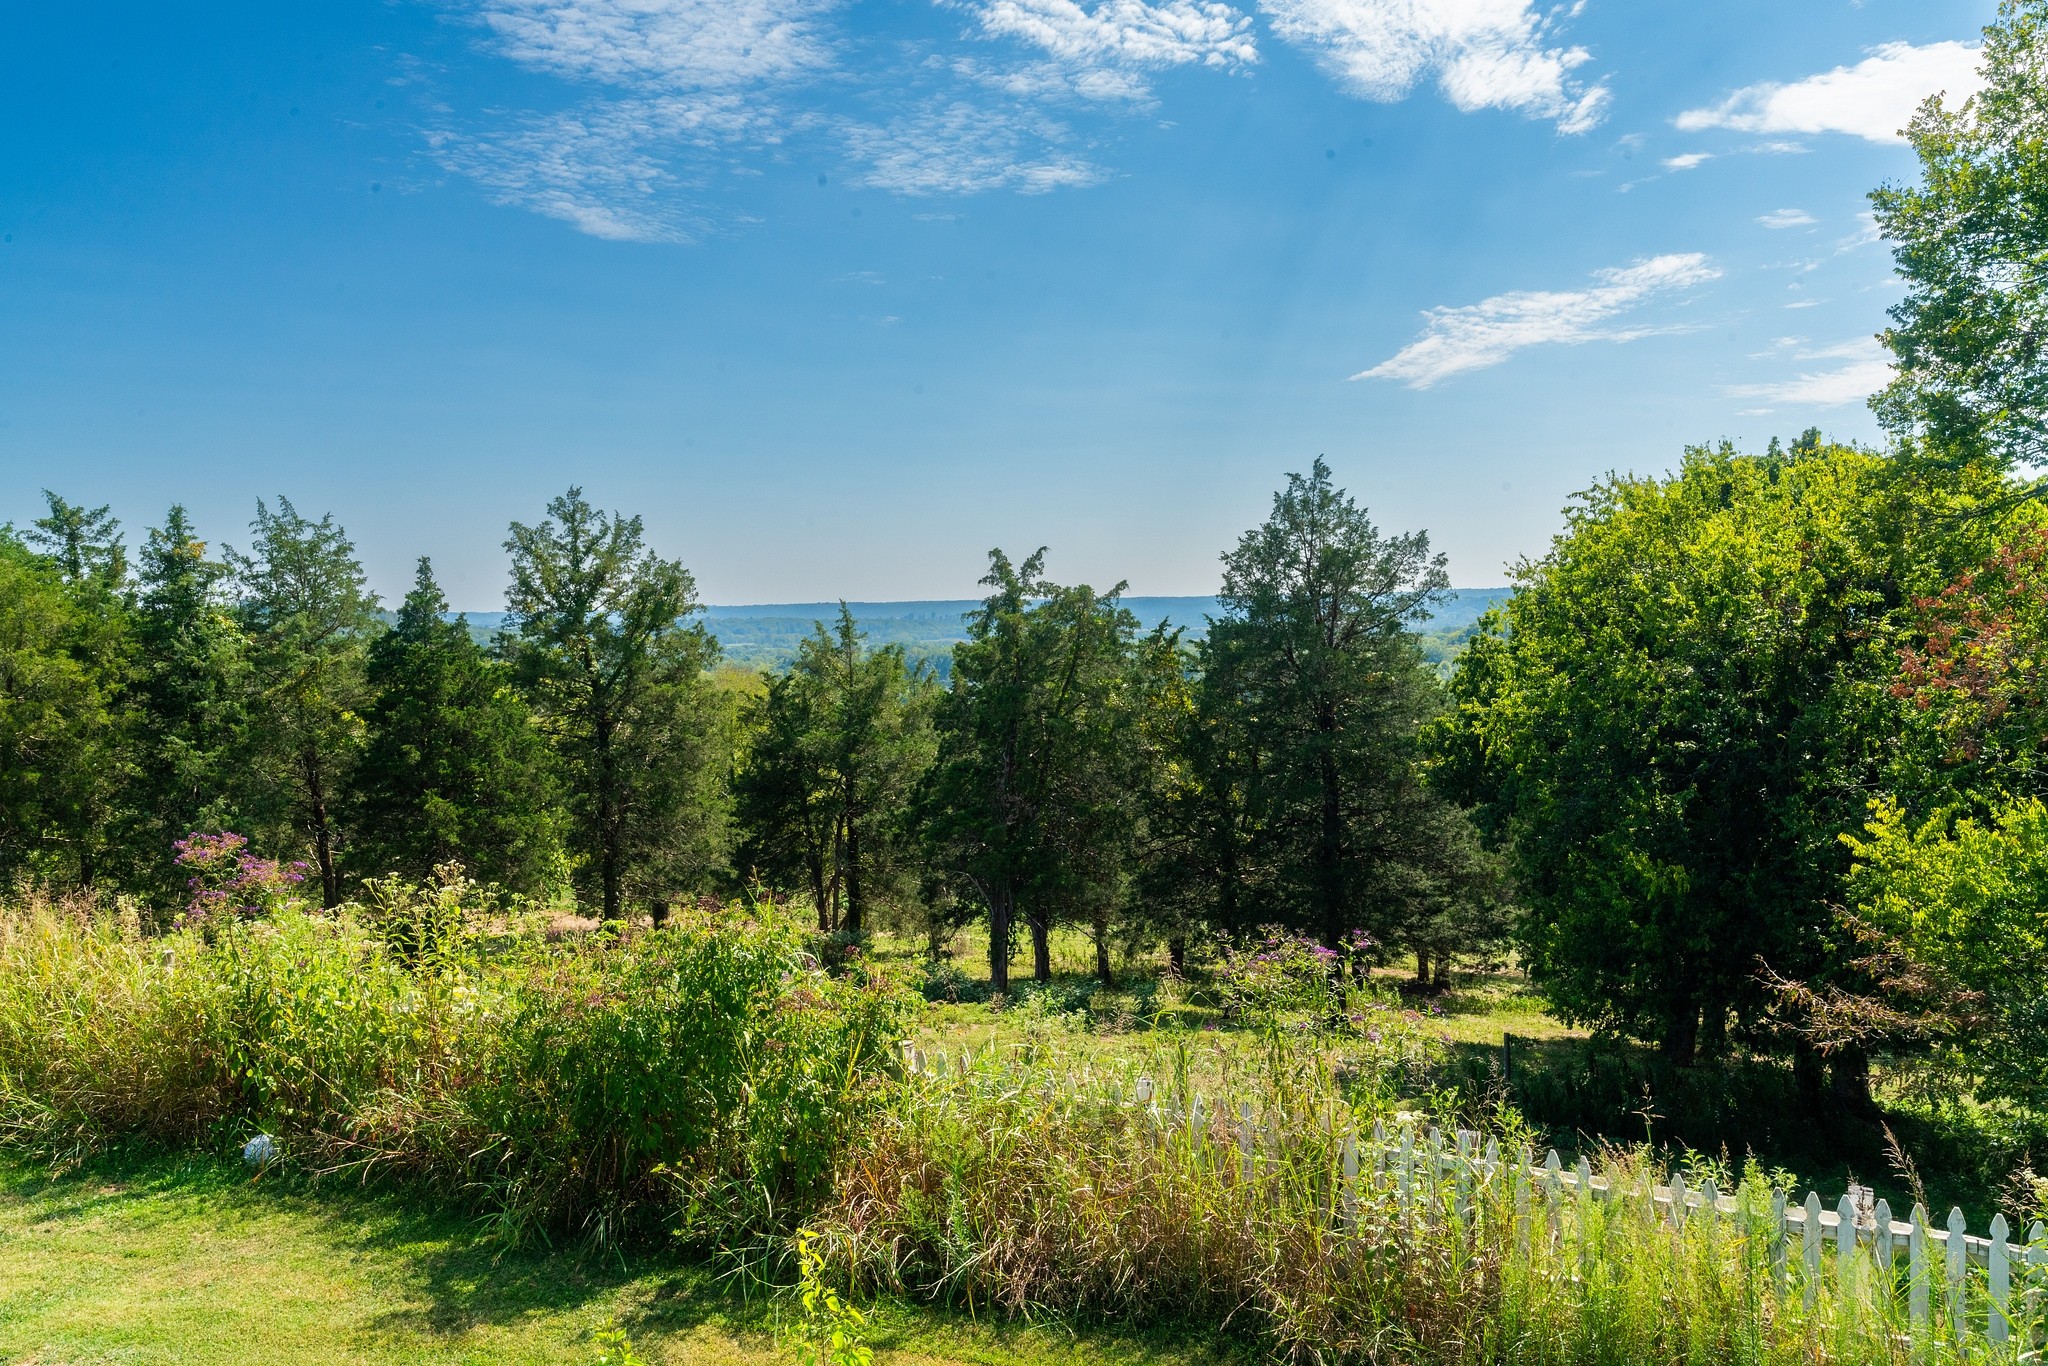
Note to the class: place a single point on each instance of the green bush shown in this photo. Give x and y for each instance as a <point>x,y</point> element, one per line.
<point>707,1071</point>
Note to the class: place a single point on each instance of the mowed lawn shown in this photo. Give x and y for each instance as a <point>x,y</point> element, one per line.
<point>172,1260</point>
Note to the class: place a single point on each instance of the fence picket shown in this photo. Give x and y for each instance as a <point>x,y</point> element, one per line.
<point>1778,1242</point>
<point>1810,1250</point>
<point>1350,1186</point>
<point>1958,1252</point>
<point>1845,1243</point>
<point>1244,1140</point>
<point>1553,1189</point>
<point>1677,1200</point>
<point>1919,1272</point>
<point>1881,1242</point>
<point>1999,1326</point>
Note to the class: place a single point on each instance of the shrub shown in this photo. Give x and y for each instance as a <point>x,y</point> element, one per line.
<point>597,1085</point>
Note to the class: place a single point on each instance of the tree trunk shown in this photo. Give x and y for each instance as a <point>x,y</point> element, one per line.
<point>1002,907</point>
<point>1331,836</point>
<point>1421,967</point>
<point>1849,1080</point>
<point>1102,970</point>
<point>323,835</point>
<point>1440,972</point>
<point>1041,946</point>
<point>1682,1037</point>
<point>853,893</point>
<point>1177,954</point>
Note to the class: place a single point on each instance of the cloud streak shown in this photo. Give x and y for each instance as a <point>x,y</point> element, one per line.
<point>1485,54</point>
<point>1868,370</point>
<point>1477,336</point>
<point>1873,99</point>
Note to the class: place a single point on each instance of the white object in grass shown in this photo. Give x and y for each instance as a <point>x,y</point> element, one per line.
<point>259,1151</point>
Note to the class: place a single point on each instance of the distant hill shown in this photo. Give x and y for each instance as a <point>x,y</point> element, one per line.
<point>765,635</point>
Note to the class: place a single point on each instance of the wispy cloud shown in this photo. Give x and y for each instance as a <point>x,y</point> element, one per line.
<point>1485,54</point>
<point>1686,161</point>
<point>1487,333</point>
<point>1873,99</point>
<point>1867,370</point>
<point>606,168</point>
<point>959,147</point>
<point>1125,33</point>
<point>691,44</point>
<point>1787,218</point>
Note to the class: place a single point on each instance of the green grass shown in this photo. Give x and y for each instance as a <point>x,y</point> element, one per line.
<point>158,1259</point>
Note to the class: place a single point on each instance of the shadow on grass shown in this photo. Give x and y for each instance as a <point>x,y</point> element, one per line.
<point>447,1277</point>
<point>1581,1093</point>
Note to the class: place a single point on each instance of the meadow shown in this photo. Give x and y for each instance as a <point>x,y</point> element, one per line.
<point>501,1140</point>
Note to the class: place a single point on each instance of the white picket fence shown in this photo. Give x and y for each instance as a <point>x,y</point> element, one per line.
<point>1826,1245</point>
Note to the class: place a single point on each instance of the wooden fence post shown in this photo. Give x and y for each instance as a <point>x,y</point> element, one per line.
<point>1958,1253</point>
<point>1845,1244</point>
<point>1999,1326</point>
<point>1350,1186</point>
<point>1881,1244</point>
<point>1918,1273</point>
<point>1810,1248</point>
<point>1778,1242</point>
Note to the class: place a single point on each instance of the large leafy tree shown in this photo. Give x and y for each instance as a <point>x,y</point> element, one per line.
<point>825,794</point>
<point>1031,801</point>
<point>454,768</point>
<point>310,618</point>
<point>1315,692</point>
<point>1971,241</point>
<point>1680,709</point>
<point>604,648</point>
<point>189,702</point>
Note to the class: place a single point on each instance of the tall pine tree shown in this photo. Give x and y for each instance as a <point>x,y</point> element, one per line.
<point>453,768</point>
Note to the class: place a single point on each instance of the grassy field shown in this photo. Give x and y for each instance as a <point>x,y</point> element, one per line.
<point>177,1260</point>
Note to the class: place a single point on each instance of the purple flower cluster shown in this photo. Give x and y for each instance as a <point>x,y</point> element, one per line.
<point>229,880</point>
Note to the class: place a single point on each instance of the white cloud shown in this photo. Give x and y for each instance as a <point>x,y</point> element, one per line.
<point>961,148</point>
<point>1485,54</point>
<point>1686,161</point>
<point>1868,369</point>
<point>1128,33</point>
<point>1787,218</point>
<point>605,168</point>
<point>1488,332</point>
<point>1873,99</point>
<point>694,44</point>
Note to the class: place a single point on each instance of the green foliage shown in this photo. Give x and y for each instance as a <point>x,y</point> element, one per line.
<point>613,1349</point>
<point>64,652</point>
<point>603,646</point>
<point>703,1075</point>
<point>1970,241</point>
<point>841,741</point>
<point>1033,801</point>
<point>310,618</point>
<point>1681,707</point>
<point>831,1329</point>
<point>1314,693</point>
<point>1967,902</point>
<point>189,706</point>
<point>453,769</point>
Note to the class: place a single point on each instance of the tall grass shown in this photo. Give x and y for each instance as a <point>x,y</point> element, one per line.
<point>705,1073</point>
<point>1018,1187</point>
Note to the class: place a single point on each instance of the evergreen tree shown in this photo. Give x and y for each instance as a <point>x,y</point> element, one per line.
<point>453,768</point>
<point>310,619</point>
<point>1031,803</point>
<point>1316,693</point>
<point>189,721</point>
<point>63,663</point>
<point>825,794</point>
<point>604,648</point>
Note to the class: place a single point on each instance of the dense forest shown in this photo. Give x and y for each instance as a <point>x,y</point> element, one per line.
<point>1750,759</point>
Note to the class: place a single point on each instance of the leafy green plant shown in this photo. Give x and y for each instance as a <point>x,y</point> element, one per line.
<point>613,1349</point>
<point>830,1332</point>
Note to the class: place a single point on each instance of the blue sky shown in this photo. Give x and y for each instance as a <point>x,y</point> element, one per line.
<point>839,295</point>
